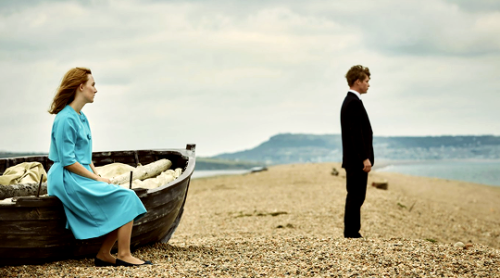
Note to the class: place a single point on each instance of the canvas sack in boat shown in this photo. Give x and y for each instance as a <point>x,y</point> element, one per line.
<point>26,172</point>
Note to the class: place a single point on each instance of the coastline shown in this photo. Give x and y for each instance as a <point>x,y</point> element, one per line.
<point>481,171</point>
<point>215,173</point>
<point>384,163</point>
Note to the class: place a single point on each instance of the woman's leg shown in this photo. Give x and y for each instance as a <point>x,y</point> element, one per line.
<point>104,253</point>
<point>124,236</point>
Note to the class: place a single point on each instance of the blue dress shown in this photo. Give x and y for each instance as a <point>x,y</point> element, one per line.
<point>92,208</point>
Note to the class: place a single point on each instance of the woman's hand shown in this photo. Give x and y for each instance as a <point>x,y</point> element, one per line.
<point>104,180</point>
<point>78,169</point>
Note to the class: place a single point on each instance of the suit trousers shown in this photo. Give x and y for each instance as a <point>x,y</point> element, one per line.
<point>356,180</point>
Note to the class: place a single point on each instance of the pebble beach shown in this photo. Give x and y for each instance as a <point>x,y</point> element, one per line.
<point>288,222</point>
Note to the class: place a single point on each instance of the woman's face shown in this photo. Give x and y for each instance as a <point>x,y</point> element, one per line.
<point>89,90</point>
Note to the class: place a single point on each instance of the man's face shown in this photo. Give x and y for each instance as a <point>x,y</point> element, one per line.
<point>363,85</point>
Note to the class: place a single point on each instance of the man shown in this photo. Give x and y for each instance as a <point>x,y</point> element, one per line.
<point>357,147</point>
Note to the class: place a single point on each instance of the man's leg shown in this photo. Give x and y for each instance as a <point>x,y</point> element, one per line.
<point>356,192</point>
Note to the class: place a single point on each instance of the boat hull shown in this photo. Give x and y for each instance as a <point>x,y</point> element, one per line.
<point>33,229</point>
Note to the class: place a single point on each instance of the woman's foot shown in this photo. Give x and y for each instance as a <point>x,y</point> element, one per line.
<point>98,262</point>
<point>104,260</point>
<point>130,259</point>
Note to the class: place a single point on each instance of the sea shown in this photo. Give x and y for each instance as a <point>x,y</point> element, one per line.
<point>477,171</point>
<point>211,173</point>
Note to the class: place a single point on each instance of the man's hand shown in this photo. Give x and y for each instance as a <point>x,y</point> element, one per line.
<point>367,165</point>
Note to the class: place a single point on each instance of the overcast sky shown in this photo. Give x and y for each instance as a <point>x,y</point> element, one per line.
<point>227,75</point>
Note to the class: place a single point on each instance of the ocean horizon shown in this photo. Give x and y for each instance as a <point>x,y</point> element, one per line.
<point>212,173</point>
<point>485,172</point>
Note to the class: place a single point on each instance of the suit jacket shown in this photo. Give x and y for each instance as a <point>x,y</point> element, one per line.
<point>357,134</point>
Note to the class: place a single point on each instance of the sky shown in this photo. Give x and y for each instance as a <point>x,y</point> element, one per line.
<point>228,75</point>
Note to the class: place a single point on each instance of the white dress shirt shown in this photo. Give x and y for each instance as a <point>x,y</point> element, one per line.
<point>356,93</point>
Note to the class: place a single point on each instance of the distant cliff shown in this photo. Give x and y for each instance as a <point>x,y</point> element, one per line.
<point>10,154</point>
<point>296,148</point>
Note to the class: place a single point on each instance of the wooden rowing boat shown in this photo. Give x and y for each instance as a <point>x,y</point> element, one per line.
<point>32,229</point>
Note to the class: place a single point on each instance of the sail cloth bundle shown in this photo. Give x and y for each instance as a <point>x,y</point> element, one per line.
<point>23,179</point>
<point>149,176</point>
<point>26,172</point>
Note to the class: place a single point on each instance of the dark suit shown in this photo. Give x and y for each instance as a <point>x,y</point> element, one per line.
<point>357,145</point>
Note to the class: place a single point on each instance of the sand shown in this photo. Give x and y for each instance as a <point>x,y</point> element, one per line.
<point>288,221</point>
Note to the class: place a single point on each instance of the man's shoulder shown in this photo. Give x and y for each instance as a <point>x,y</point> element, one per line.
<point>350,99</point>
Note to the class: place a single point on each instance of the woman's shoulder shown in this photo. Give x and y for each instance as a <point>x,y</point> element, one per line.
<point>82,115</point>
<point>67,113</point>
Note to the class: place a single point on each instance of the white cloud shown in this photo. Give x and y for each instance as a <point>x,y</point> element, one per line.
<point>227,75</point>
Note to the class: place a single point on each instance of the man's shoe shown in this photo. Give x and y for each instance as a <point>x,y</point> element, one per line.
<point>124,263</point>
<point>358,235</point>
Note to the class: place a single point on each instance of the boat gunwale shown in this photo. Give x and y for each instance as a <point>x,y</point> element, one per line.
<point>188,154</point>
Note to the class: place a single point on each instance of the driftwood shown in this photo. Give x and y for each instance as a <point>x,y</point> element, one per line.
<point>381,185</point>
<point>25,189</point>
<point>335,172</point>
<point>144,172</point>
<point>258,169</point>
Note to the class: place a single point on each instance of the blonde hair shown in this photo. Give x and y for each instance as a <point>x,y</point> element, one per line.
<point>67,90</point>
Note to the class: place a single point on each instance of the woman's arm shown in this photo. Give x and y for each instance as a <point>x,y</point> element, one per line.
<point>78,169</point>
<point>93,168</point>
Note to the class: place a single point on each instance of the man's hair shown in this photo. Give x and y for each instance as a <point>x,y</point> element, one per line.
<point>355,73</point>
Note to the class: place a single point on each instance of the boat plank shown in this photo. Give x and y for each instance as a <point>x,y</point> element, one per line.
<point>167,218</point>
<point>32,201</point>
<point>32,227</point>
<point>155,201</point>
<point>30,213</point>
<point>155,218</point>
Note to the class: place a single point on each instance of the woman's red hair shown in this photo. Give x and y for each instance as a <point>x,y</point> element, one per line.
<point>69,84</point>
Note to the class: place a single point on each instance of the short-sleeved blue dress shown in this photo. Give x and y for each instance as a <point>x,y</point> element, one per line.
<point>92,208</point>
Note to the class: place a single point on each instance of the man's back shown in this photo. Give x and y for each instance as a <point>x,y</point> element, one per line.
<point>357,135</point>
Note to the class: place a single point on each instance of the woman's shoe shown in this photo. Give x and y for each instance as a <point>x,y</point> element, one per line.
<point>99,262</point>
<point>124,263</point>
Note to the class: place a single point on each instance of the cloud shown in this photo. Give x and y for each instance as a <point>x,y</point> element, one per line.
<point>411,28</point>
<point>476,6</point>
<point>229,74</point>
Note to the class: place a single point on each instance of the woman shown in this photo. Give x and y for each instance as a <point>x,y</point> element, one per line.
<point>93,206</point>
